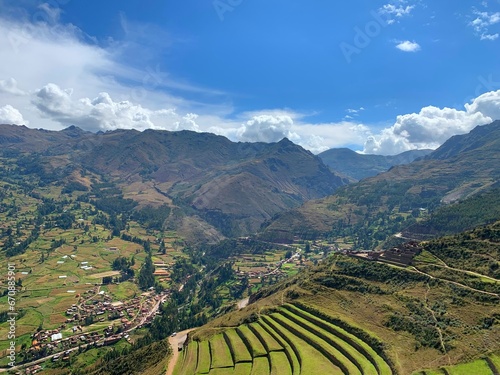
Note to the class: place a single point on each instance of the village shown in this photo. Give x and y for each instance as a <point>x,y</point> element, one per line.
<point>86,323</point>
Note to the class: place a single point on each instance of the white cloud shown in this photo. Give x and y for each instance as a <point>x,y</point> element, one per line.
<point>10,115</point>
<point>489,36</point>
<point>432,126</point>
<point>354,111</point>
<point>396,10</point>
<point>103,113</point>
<point>407,46</point>
<point>487,104</point>
<point>9,86</point>
<point>482,23</point>
<point>267,128</point>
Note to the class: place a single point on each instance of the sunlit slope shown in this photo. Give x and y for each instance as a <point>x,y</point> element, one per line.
<point>289,341</point>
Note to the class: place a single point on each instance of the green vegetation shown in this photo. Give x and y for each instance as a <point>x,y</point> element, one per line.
<point>220,352</point>
<point>136,362</point>
<point>480,209</point>
<point>237,346</point>
<point>204,358</point>
<point>289,341</point>
<point>484,366</point>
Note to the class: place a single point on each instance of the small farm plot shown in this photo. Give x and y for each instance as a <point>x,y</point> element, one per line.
<point>239,350</point>
<point>220,353</point>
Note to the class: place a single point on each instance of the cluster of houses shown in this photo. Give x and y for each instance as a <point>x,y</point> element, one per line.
<point>33,369</point>
<point>95,304</point>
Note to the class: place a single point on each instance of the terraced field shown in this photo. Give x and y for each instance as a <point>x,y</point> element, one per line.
<point>290,341</point>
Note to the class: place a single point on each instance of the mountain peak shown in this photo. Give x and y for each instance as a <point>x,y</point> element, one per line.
<point>73,131</point>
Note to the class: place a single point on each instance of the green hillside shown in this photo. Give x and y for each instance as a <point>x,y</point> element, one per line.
<point>355,316</point>
<point>374,209</point>
<point>294,339</point>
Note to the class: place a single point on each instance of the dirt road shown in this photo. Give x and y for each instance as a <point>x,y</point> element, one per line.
<point>174,342</point>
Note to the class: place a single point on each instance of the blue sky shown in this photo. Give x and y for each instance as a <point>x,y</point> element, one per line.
<point>380,76</point>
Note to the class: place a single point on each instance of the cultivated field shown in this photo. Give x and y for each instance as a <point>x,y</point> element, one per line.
<point>290,341</point>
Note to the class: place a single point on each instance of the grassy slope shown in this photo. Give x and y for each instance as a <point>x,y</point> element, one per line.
<point>368,296</point>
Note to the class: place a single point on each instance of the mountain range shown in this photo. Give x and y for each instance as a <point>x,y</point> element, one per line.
<point>359,166</point>
<point>219,188</point>
<point>216,186</point>
<point>462,167</point>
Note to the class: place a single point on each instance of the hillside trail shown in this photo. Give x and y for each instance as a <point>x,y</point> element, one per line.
<point>436,323</point>
<point>174,342</point>
<point>415,269</point>
<point>472,273</point>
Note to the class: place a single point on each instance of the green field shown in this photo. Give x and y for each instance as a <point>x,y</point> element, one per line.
<point>62,247</point>
<point>486,366</point>
<point>290,341</point>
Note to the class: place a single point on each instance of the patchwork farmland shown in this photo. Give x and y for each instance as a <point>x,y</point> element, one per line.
<point>290,341</point>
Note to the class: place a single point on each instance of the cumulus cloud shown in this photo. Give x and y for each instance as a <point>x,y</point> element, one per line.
<point>407,46</point>
<point>432,126</point>
<point>103,113</point>
<point>10,115</point>
<point>487,104</point>
<point>267,128</point>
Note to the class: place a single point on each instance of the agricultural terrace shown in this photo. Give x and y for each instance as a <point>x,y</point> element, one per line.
<point>488,365</point>
<point>290,341</point>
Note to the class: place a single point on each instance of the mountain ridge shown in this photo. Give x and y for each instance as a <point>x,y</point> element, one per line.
<point>232,186</point>
<point>441,178</point>
<point>359,166</point>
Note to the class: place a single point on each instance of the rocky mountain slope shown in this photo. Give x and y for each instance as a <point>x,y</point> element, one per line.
<point>217,186</point>
<point>462,167</point>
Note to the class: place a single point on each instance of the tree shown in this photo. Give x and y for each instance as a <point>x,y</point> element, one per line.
<point>308,248</point>
<point>163,249</point>
<point>146,279</point>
